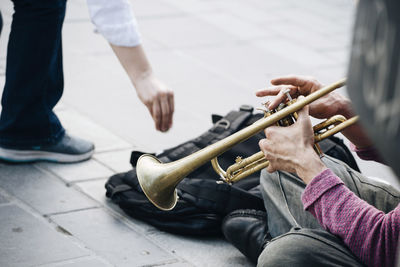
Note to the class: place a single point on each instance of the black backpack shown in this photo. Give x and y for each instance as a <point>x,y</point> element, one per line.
<point>203,201</point>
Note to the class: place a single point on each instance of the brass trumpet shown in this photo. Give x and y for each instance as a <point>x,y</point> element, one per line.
<point>159,180</point>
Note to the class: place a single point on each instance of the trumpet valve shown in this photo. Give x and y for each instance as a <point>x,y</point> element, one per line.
<point>267,112</point>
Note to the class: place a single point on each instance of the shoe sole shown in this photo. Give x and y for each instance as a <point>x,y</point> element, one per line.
<point>23,156</point>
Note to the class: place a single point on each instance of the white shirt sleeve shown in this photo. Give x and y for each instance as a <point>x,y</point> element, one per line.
<point>115,20</point>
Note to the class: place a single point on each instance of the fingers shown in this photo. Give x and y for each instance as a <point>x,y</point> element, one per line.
<point>304,112</point>
<point>281,96</point>
<point>295,80</point>
<point>268,91</point>
<point>163,110</point>
<point>167,109</point>
<point>171,103</point>
<point>157,115</point>
<point>278,92</point>
<point>265,146</point>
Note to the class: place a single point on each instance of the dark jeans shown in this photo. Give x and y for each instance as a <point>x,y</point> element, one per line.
<point>34,75</point>
<point>1,22</point>
<point>299,240</point>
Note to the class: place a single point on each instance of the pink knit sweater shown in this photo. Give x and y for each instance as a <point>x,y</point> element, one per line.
<point>369,233</point>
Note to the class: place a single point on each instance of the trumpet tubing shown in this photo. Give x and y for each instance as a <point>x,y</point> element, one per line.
<point>158,180</point>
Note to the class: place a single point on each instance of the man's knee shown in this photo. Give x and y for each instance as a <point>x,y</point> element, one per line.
<point>307,248</point>
<point>287,250</point>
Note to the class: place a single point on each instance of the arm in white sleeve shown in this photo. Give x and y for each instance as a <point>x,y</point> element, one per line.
<point>115,20</point>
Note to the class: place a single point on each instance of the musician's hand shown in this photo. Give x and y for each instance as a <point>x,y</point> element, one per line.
<point>325,107</point>
<point>291,148</point>
<point>158,99</point>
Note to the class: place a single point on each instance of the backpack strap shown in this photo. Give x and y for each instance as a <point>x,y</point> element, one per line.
<point>225,126</point>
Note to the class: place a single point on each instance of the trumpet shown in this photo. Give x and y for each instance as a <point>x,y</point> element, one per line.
<point>159,180</point>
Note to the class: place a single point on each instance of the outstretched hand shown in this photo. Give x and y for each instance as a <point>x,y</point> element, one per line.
<point>158,99</point>
<point>325,107</point>
<point>291,148</point>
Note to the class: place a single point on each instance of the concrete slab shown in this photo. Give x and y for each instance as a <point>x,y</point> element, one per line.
<point>112,239</point>
<point>4,37</point>
<point>183,31</point>
<point>79,125</point>
<point>301,55</point>
<point>251,64</point>
<point>29,241</point>
<point>231,24</point>
<point>153,9</point>
<point>195,250</point>
<point>81,262</point>
<point>86,170</point>
<point>118,161</point>
<point>76,11</point>
<point>95,189</point>
<point>297,33</point>
<point>195,6</point>
<point>81,39</point>
<point>201,251</point>
<point>258,13</point>
<point>3,199</point>
<point>2,70</point>
<point>41,191</point>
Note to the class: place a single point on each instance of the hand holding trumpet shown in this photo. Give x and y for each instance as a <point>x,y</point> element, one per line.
<point>291,148</point>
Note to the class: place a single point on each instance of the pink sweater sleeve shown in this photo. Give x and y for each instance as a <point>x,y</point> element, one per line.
<point>370,234</point>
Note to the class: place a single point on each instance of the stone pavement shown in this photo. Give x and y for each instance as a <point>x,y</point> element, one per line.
<point>214,54</point>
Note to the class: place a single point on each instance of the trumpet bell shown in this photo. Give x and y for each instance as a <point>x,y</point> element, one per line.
<point>152,179</point>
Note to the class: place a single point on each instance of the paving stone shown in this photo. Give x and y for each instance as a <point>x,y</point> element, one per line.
<point>145,9</point>
<point>95,189</point>
<point>231,24</point>
<point>77,10</point>
<point>112,239</point>
<point>184,31</point>
<point>116,160</point>
<point>252,64</point>
<point>195,6</point>
<point>81,262</point>
<point>4,41</point>
<point>81,39</point>
<point>3,199</point>
<point>42,191</point>
<point>191,249</point>
<point>81,126</point>
<point>199,251</point>
<point>29,241</point>
<point>250,12</point>
<point>299,34</point>
<point>2,69</point>
<point>90,169</point>
<point>302,55</point>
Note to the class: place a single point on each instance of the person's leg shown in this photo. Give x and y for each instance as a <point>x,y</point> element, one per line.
<point>29,129</point>
<point>308,248</point>
<point>34,75</point>
<point>282,196</point>
<point>1,22</point>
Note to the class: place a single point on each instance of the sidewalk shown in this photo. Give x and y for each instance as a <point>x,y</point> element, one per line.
<point>214,55</point>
